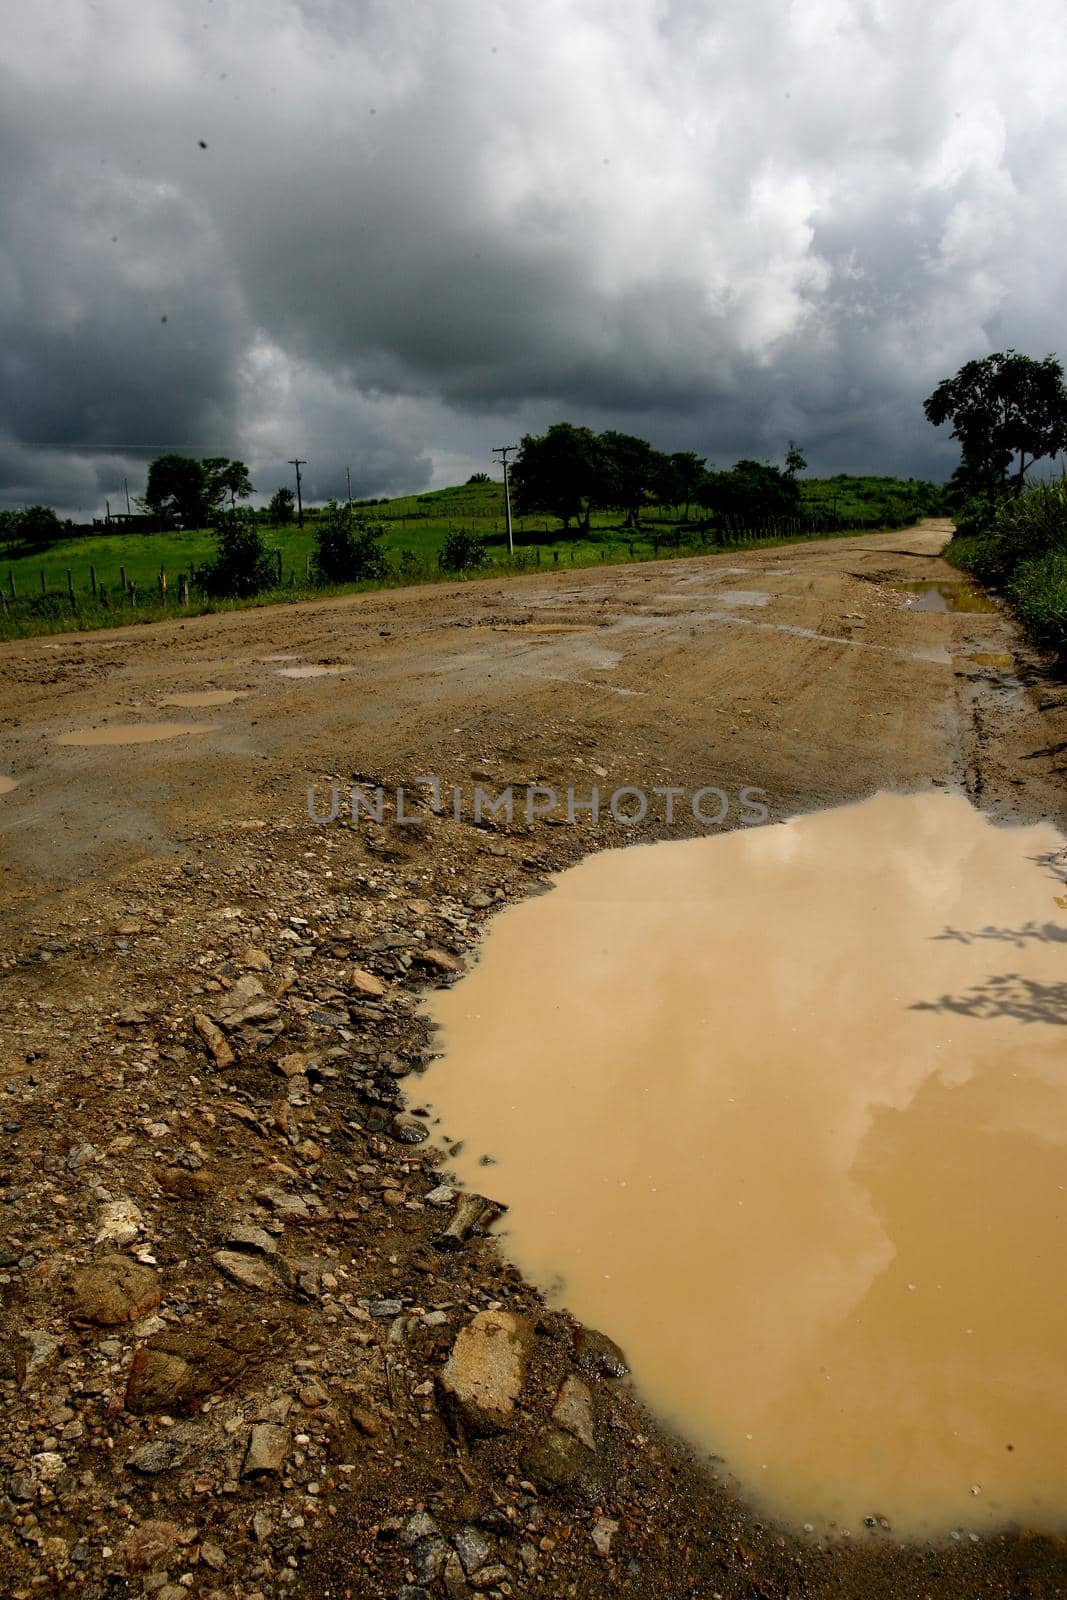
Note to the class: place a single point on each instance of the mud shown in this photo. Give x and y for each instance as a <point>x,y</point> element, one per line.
<point>133,733</point>
<point>198,698</point>
<point>777,1110</point>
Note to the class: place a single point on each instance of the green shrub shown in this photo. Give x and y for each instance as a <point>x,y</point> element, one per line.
<point>463,552</point>
<point>1038,592</point>
<point>347,547</point>
<point>973,517</point>
<point>243,565</point>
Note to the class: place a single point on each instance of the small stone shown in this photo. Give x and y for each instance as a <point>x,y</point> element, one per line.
<point>428,1558</point>
<point>212,1555</point>
<point>604,1530</point>
<point>113,1291</point>
<point>268,1445</point>
<point>409,1129</point>
<point>120,1223</point>
<point>246,1002</point>
<point>360,981</point>
<point>261,1526</point>
<point>598,1355</point>
<point>160,1455</point>
<point>454,1581</point>
<point>490,1577</point>
<point>179,1184</point>
<point>255,960</point>
<point>484,1374</point>
<point>256,1240</point>
<point>146,1546</point>
<point>442,1196</point>
<point>472,1547</point>
<point>292,1066</point>
<point>386,1308</point>
<point>573,1411</point>
<point>438,960</point>
<point>249,1271</point>
<point>36,1351</point>
<point>557,1460</point>
<point>214,1039</point>
<point>283,1203</point>
<point>419,1526</point>
<point>48,1466</point>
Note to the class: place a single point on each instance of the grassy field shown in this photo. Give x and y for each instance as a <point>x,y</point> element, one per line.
<point>127,566</point>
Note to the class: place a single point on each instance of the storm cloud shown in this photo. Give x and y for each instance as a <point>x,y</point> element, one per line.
<point>393,236</point>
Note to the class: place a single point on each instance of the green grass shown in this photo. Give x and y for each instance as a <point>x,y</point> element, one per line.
<point>416,529</point>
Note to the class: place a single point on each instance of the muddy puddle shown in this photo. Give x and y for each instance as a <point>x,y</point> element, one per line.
<point>205,697</point>
<point>7,784</point>
<point>135,733</point>
<point>784,1111</point>
<point>742,597</point>
<point>934,595</point>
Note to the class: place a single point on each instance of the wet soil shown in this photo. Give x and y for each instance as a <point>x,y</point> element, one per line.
<point>168,902</point>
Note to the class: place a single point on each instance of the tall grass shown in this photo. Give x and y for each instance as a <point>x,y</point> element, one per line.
<point>1022,548</point>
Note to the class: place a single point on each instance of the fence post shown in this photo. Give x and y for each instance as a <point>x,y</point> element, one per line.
<point>11,581</point>
<point>44,586</point>
<point>70,584</point>
<point>162,586</point>
<point>92,578</point>
<point>3,600</point>
<point>278,554</point>
<point>133,594</point>
<point>122,580</point>
<point>104,601</point>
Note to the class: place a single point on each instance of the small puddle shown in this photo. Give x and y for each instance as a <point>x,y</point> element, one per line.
<point>998,659</point>
<point>205,697</point>
<point>135,733</point>
<point>310,672</point>
<point>939,595</point>
<point>784,1111</point>
<point>7,784</point>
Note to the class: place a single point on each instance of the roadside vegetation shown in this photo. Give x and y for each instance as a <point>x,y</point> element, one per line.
<point>1008,413</point>
<point>578,499</point>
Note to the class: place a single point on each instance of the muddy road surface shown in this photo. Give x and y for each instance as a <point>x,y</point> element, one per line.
<point>254,1340</point>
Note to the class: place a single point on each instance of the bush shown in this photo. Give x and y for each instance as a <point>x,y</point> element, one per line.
<point>1038,592</point>
<point>463,552</point>
<point>973,518</point>
<point>243,564</point>
<point>347,547</point>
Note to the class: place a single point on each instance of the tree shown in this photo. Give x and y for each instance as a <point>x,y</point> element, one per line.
<point>794,460</point>
<point>1002,406</point>
<point>479,477</point>
<point>347,547</point>
<point>688,471</point>
<point>281,506</point>
<point>628,471</point>
<point>557,472</point>
<point>753,492</point>
<point>226,477</point>
<point>177,491</point>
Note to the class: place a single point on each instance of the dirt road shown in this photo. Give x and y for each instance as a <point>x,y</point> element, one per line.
<point>212,1008</point>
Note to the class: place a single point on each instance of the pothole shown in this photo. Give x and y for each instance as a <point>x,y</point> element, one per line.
<point>941,595</point>
<point>785,1112</point>
<point>135,733</point>
<point>310,671</point>
<point>7,784</point>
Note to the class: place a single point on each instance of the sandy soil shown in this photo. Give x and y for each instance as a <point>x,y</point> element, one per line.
<point>186,1034</point>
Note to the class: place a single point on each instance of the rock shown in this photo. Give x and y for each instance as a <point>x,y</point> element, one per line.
<point>419,1526</point>
<point>428,1558</point>
<point>573,1411</point>
<point>246,1002</point>
<point>36,1350</point>
<point>48,1466</point>
<point>454,1581</point>
<point>442,1196</point>
<point>255,960</point>
<point>437,960</point>
<point>490,1577</point>
<point>146,1546</point>
<point>214,1039</point>
<point>473,1212</point>
<point>212,1555</point>
<point>484,1374</point>
<point>113,1291</point>
<point>557,1460</point>
<point>360,981</point>
<point>256,1240</point>
<point>283,1203</point>
<point>179,1184</point>
<point>598,1355</point>
<point>472,1547</point>
<point>604,1530</point>
<point>249,1271</point>
<point>268,1445</point>
<point>386,1308</point>
<point>120,1223</point>
<point>409,1129</point>
<point>176,1370</point>
<point>261,1526</point>
<point>160,1455</point>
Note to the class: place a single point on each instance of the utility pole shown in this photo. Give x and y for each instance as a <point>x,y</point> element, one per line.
<point>298,462</point>
<point>503,451</point>
<point>348,480</point>
<point>126,486</point>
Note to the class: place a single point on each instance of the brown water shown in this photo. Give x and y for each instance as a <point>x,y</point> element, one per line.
<point>785,1112</point>
<point>135,733</point>
<point>205,697</point>
<point>952,595</point>
<point>7,784</point>
<point>310,671</point>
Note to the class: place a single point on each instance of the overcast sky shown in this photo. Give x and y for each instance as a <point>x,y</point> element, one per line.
<point>421,228</point>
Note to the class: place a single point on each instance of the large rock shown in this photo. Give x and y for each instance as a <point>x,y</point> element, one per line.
<point>268,1445</point>
<point>557,1460</point>
<point>246,1002</point>
<point>573,1411</point>
<point>174,1371</point>
<point>251,1272</point>
<point>483,1377</point>
<point>114,1290</point>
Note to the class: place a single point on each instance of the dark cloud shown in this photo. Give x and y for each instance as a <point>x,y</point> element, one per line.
<point>386,237</point>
